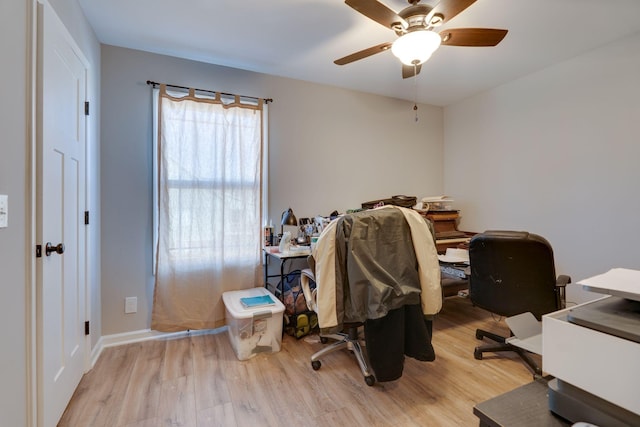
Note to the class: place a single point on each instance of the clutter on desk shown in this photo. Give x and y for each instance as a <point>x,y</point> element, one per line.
<point>295,231</point>
<point>455,256</point>
<point>445,223</point>
<point>269,234</point>
<point>454,263</point>
<point>288,218</point>
<point>294,251</point>
<point>320,223</point>
<point>299,248</point>
<point>285,242</point>
<point>313,242</point>
<point>289,222</point>
<point>436,203</point>
<point>402,201</point>
<point>306,229</point>
<point>455,271</point>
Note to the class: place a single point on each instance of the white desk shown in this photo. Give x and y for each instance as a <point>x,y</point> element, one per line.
<point>283,257</point>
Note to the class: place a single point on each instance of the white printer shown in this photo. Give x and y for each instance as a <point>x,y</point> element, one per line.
<point>593,351</point>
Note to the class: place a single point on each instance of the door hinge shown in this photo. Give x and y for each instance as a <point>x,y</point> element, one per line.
<point>86,217</point>
<point>86,327</point>
<point>86,108</point>
<point>38,251</point>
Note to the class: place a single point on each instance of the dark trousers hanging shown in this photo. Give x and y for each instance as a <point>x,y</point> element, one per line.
<point>403,331</point>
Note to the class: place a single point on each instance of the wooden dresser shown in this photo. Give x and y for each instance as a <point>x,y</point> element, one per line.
<point>445,224</point>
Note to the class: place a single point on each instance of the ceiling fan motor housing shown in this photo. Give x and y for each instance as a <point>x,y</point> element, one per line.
<point>417,17</point>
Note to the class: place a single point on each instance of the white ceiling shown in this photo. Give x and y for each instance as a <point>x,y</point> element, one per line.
<point>300,39</point>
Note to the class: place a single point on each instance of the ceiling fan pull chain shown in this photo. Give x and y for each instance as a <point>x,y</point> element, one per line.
<point>415,90</point>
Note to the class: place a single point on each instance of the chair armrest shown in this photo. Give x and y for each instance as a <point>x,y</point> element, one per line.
<point>561,284</point>
<point>309,295</point>
<point>563,280</point>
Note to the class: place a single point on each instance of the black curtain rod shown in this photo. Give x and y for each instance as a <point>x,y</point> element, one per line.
<point>154,84</point>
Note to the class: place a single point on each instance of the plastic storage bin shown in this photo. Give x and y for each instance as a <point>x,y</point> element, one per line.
<point>253,330</point>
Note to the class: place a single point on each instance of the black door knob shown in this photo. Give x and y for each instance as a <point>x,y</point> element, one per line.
<point>49,248</point>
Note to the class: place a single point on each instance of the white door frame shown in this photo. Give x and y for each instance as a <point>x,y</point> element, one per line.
<point>32,403</point>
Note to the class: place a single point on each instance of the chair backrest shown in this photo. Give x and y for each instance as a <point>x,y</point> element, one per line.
<point>512,272</point>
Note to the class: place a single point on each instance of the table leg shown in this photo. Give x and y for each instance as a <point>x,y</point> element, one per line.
<point>266,271</point>
<point>282,262</point>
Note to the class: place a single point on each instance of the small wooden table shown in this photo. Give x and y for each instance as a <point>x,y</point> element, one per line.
<point>525,406</point>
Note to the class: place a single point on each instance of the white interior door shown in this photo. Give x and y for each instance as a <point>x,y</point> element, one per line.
<point>60,204</point>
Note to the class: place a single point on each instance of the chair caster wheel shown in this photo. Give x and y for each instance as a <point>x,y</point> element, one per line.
<point>370,380</point>
<point>324,340</point>
<point>316,365</point>
<point>477,354</point>
<point>479,335</point>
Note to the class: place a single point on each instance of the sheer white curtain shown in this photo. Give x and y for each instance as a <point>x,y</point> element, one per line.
<point>209,207</point>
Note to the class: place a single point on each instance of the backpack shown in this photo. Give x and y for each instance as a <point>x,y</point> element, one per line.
<point>299,320</point>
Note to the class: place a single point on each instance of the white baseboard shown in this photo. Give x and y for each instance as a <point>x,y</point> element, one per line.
<point>142,335</point>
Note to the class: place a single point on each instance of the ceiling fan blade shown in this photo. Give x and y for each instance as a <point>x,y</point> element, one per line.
<point>408,70</point>
<point>377,11</point>
<point>472,36</point>
<point>363,53</point>
<point>449,9</point>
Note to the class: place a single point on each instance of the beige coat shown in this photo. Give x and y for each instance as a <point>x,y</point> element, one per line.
<point>329,309</point>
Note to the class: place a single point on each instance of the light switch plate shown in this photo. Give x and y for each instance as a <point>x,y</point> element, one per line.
<point>4,211</point>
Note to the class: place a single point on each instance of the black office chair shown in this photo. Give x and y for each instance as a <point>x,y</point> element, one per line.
<point>513,272</point>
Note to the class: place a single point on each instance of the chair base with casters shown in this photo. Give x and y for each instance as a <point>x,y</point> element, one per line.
<point>343,340</point>
<point>500,345</point>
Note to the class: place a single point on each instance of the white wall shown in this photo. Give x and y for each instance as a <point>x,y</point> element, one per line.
<point>332,149</point>
<point>556,153</point>
<point>16,251</point>
<point>329,149</point>
<point>13,182</point>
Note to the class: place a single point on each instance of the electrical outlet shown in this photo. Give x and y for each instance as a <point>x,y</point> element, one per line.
<point>131,305</point>
<point>4,211</point>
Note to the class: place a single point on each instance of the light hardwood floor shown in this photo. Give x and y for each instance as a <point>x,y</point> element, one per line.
<point>198,381</point>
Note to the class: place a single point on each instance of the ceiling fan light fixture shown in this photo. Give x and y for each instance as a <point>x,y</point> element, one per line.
<point>415,47</point>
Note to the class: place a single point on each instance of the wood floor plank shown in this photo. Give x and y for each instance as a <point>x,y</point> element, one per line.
<point>198,381</point>
<point>98,398</point>
<point>142,397</point>
<point>217,416</point>
<point>177,402</point>
<point>209,361</point>
<point>310,392</point>
<point>151,422</point>
<point>177,361</point>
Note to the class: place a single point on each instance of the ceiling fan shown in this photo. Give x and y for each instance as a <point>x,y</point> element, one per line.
<point>415,27</point>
